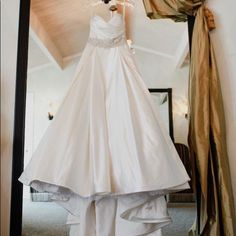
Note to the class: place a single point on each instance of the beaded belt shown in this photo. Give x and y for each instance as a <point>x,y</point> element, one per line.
<point>107,43</point>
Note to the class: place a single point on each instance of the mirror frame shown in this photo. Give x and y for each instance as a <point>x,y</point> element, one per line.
<point>170,106</point>
<point>19,119</point>
<point>19,116</point>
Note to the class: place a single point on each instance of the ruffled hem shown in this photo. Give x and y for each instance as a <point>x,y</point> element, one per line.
<point>143,210</point>
<point>66,191</point>
<point>136,215</point>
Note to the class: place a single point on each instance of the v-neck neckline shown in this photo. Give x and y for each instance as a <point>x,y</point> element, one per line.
<point>109,21</point>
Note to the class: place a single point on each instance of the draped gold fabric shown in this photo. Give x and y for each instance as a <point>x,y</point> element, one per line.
<point>207,138</point>
<point>174,9</point>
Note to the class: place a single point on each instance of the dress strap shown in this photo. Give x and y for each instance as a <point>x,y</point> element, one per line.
<point>124,9</point>
<point>123,4</point>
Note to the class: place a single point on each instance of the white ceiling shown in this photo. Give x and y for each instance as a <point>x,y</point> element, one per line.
<point>60,29</point>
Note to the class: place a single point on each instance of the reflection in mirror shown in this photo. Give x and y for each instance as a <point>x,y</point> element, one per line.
<point>58,34</point>
<point>163,100</point>
<point>162,103</point>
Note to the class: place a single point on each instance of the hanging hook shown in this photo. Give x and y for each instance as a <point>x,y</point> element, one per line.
<point>106,1</point>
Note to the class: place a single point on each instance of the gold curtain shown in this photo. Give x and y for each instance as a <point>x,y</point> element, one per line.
<point>207,138</point>
<point>174,9</point>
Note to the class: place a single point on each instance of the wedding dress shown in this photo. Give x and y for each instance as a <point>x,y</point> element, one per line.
<point>106,157</point>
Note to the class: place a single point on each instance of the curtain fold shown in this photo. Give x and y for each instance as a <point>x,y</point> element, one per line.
<point>207,137</point>
<point>174,9</point>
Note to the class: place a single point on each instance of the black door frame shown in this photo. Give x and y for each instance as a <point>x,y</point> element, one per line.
<point>19,115</point>
<point>170,105</point>
<point>19,119</point>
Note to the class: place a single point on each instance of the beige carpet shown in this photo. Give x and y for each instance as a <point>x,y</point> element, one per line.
<point>48,219</point>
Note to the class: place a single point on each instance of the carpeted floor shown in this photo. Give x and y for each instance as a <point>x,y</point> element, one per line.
<point>44,219</point>
<point>48,219</point>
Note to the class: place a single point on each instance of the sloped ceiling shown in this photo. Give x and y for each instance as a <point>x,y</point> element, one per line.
<point>36,56</point>
<point>66,25</point>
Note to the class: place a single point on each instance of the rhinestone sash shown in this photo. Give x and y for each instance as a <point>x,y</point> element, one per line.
<point>107,43</point>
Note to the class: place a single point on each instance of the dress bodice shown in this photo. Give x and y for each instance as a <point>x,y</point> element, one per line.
<point>107,33</point>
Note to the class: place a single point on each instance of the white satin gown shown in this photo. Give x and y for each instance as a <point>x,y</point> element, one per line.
<point>106,157</point>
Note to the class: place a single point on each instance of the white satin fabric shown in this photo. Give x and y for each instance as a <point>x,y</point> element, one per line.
<point>106,157</point>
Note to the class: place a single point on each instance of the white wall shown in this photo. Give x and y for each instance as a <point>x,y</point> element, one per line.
<point>159,72</point>
<point>9,32</point>
<point>49,85</point>
<point>224,41</point>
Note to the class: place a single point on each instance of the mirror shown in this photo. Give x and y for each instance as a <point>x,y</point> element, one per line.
<point>163,100</point>
<point>58,35</point>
